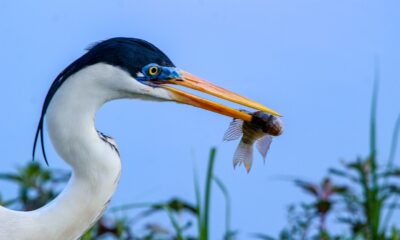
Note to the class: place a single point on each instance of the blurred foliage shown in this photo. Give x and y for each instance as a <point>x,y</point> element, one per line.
<point>361,197</point>
<point>37,185</point>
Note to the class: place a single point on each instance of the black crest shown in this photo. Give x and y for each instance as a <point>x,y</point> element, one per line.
<point>130,54</point>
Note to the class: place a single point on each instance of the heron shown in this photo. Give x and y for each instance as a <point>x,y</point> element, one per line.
<point>112,69</point>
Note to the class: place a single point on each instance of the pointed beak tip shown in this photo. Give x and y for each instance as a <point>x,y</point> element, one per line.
<point>191,81</point>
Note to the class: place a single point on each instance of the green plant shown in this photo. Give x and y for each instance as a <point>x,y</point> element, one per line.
<point>38,185</point>
<point>364,202</point>
<point>375,189</point>
<point>203,207</point>
<point>199,211</point>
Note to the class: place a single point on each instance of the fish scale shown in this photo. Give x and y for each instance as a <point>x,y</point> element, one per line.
<point>251,133</point>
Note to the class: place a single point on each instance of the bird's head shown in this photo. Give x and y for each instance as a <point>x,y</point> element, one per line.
<point>152,76</point>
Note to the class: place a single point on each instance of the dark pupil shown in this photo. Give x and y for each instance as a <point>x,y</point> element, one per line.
<point>153,70</point>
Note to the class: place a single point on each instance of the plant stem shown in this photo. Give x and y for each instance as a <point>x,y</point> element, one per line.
<point>207,197</point>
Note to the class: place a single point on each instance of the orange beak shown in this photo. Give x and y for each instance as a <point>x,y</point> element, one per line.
<point>193,82</point>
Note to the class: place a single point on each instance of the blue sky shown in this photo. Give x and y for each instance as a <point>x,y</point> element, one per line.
<point>310,60</point>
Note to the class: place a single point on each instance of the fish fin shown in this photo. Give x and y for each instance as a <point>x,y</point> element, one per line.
<point>234,130</point>
<point>263,145</point>
<point>243,154</point>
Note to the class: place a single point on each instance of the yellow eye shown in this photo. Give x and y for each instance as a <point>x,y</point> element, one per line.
<point>153,70</point>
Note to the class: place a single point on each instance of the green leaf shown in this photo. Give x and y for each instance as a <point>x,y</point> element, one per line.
<point>262,236</point>
<point>307,187</point>
<point>11,177</point>
<point>344,174</point>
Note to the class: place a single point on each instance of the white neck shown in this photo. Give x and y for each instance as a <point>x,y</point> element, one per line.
<point>95,165</point>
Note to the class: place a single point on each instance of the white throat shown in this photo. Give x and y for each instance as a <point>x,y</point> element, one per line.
<point>95,165</point>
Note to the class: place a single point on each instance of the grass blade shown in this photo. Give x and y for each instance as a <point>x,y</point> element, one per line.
<point>374,103</point>
<point>130,206</point>
<point>198,202</point>
<point>373,201</point>
<point>207,196</point>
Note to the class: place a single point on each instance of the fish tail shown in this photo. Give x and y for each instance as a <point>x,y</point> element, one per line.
<point>243,154</point>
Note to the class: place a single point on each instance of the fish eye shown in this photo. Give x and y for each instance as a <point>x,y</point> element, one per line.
<point>153,70</point>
